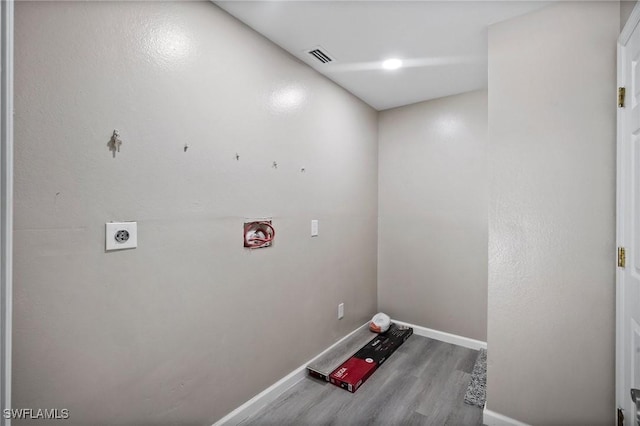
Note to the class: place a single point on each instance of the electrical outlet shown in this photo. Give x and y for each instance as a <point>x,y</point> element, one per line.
<point>314,228</point>
<point>341,311</point>
<point>121,235</point>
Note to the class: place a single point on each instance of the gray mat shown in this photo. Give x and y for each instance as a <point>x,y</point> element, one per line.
<point>477,390</point>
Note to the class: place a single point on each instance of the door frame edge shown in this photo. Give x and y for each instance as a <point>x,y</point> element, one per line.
<point>6,212</point>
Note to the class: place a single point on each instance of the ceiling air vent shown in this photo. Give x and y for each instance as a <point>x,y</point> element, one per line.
<point>320,54</point>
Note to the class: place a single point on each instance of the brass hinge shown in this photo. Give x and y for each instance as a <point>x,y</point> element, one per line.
<point>621,97</point>
<point>622,257</point>
<point>620,417</point>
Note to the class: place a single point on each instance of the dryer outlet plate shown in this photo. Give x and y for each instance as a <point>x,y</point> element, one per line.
<point>121,235</point>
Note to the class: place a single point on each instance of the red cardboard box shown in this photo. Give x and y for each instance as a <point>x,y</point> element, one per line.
<point>357,369</point>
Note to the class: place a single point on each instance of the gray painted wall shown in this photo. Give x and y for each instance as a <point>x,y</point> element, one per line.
<point>432,258</point>
<point>189,325</point>
<point>552,142</point>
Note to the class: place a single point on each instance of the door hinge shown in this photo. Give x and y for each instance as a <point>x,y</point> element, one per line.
<point>620,417</point>
<point>621,92</point>
<point>622,257</point>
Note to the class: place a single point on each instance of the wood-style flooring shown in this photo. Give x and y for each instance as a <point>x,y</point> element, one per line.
<point>422,383</point>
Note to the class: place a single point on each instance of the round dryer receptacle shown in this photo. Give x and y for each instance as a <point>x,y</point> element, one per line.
<point>122,236</point>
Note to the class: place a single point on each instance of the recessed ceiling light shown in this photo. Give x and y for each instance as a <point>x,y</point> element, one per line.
<point>392,64</point>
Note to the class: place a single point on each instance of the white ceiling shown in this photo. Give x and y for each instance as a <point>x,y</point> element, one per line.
<point>443,43</point>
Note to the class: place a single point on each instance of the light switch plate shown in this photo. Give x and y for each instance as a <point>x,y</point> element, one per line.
<point>314,228</point>
<point>121,235</point>
<point>341,310</point>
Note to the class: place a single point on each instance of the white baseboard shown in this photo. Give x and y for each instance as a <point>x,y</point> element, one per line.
<point>491,418</point>
<point>445,337</point>
<point>268,395</point>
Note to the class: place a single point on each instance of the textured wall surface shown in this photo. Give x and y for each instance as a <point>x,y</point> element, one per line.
<point>552,144</point>
<point>189,325</point>
<point>433,214</point>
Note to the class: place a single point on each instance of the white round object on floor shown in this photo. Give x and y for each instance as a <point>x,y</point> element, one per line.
<point>380,323</point>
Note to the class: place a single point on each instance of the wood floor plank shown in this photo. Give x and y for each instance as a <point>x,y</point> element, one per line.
<point>422,383</point>
<point>467,360</point>
<point>444,397</point>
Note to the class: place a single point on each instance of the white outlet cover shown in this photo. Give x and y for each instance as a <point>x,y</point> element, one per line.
<point>341,311</point>
<point>121,235</point>
<point>314,228</point>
